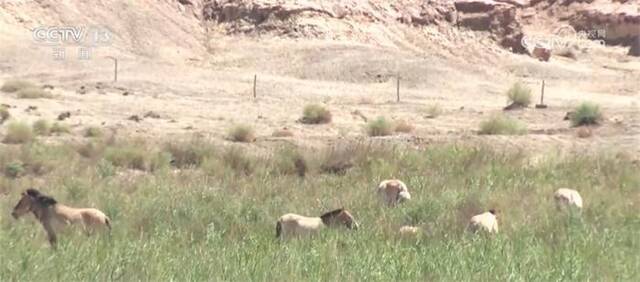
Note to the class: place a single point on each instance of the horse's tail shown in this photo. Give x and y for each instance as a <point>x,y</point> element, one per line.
<point>107,222</point>
<point>278,229</point>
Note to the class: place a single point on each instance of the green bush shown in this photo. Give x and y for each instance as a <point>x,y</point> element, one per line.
<point>59,128</point>
<point>502,125</point>
<point>433,111</point>
<point>189,154</point>
<point>379,127</point>
<point>11,86</point>
<point>586,113</point>
<point>519,95</point>
<point>241,133</point>
<point>33,93</point>
<point>92,132</point>
<point>315,114</point>
<point>42,127</point>
<point>18,132</point>
<point>289,161</point>
<point>14,170</point>
<point>127,156</point>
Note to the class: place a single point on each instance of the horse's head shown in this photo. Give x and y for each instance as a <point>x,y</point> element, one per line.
<point>339,217</point>
<point>30,200</point>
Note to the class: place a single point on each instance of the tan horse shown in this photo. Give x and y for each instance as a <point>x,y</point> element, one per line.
<point>486,222</point>
<point>53,215</point>
<point>393,192</point>
<point>293,225</point>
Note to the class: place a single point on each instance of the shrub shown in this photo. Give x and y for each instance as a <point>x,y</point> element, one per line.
<point>433,111</point>
<point>91,149</point>
<point>42,127</point>
<point>128,156</point>
<point>519,95</point>
<point>237,160</point>
<point>586,114</point>
<point>91,132</point>
<point>241,133</point>
<point>290,161</point>
<point>33,93</point>
<point>59,128</point>
<point>14,170</point>
<point>315,114</point>
<point>403,126</point>
<point>501,125</point>
<point>15,85</point>
<point>188,154</point>
<point>18,132</point>
<point>4,114</point>
<point>379,127</point>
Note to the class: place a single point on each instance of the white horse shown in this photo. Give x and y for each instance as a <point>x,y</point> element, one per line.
<point>487,222</point>
<point>53,215</point>
<point>393,192</point>
<point>566,197</point>
<point>293,225</point>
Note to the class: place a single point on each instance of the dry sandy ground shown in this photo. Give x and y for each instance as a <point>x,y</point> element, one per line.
<point>204,93</point>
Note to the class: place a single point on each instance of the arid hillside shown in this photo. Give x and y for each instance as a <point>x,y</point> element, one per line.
<point>187,67</point>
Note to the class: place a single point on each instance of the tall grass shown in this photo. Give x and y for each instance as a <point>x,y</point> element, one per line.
<point>196,226</point>
<point>502,125</point>
<point>519,95</point>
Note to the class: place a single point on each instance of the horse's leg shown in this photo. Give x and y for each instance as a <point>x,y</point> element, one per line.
<point>51,235</point>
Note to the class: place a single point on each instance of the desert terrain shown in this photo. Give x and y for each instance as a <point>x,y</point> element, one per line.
<point>154,148</point>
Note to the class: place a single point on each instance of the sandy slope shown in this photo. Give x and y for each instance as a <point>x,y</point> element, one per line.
<point>200,89</point>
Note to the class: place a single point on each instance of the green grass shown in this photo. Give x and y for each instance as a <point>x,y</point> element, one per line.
<point>586,113</point>
<point>433,111</point>
<point>241,133</point>
<point>60,128</point>
<point>11,86</point>
<point>379,127</point>
<point>33,93</point>
<point>519,94</point>
<point>197,226</point>
<point>18,132</point>
<point>93,132</point>
<point>315,114</point>
<point>502,125</point>
<point>42,127</point>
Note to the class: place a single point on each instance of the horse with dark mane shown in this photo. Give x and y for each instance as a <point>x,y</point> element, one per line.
<point>52,215</point>
<point>294,225</point>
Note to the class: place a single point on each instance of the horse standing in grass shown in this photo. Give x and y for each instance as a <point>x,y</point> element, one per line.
<point>293,225</point>
<point>567,198</point>
<point>487,222</point>
<point>53,215</point>
<point>393,192</point>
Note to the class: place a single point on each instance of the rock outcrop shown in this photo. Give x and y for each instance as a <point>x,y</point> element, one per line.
<point>617,24</point>
<point>496,17</point>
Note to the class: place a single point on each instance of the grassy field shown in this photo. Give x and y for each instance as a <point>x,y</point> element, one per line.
<point>214,218</point>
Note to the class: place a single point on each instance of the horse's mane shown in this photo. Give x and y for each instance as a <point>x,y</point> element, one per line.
<point>33,192</point>
<point>325,217</point>
<point>41,198</point>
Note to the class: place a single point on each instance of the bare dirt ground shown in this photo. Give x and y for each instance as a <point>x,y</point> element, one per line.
<point>199,89</point>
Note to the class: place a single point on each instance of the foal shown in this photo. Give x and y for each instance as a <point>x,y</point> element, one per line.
<point>292,225</point>
<point>52,214</point>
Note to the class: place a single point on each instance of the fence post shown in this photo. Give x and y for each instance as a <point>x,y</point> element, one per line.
<point>542,94</point>
<point>398,90</point>
<point>255,80</point>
